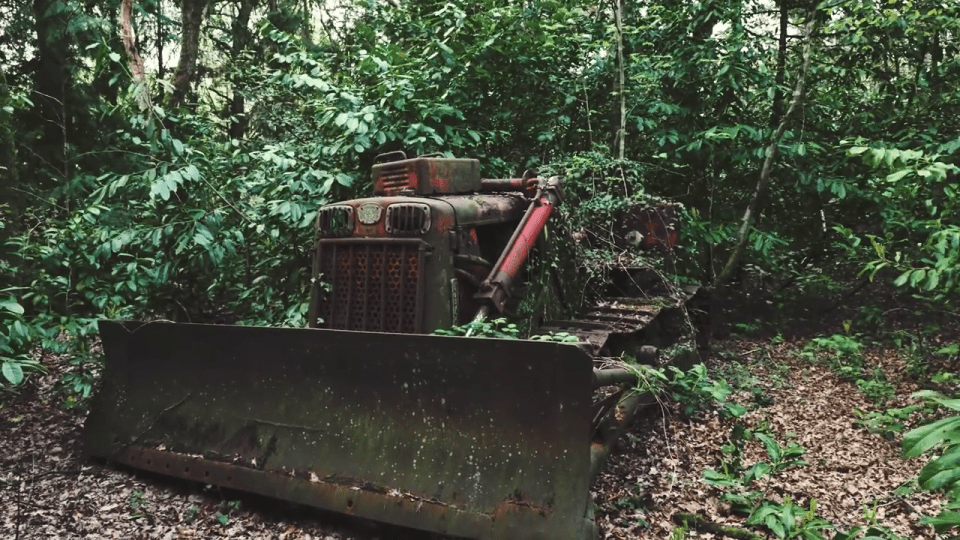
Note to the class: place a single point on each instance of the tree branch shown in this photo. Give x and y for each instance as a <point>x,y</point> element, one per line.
<point>136,63</point>
<point>756,203</point>
<point>622,133</point>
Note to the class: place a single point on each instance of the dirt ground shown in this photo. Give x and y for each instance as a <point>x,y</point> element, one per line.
<point>48,491</point>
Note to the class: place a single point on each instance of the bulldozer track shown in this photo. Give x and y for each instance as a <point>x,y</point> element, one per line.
<point>616,317</point>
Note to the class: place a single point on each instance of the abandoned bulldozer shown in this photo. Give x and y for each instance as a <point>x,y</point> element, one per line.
<point>365,412</point>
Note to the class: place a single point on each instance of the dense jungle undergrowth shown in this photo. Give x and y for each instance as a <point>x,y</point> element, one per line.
<point>165,159</point>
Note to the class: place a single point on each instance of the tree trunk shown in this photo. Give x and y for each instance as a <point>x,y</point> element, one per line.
<point>9,164</point>
<point>52,77</point>
<point>159,14</point>
<point>622,132</point>
<point>241,39</point>
<point>306,30</point>
<point>777,112</point>
<point>191,18</point>
<point>756,203</point>
<point>136,63</point>
<point>936,54</point>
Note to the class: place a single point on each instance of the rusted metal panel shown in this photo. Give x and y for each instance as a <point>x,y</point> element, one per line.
<point>374,217</point>
<point>648,227</point>
<point>331,493</point>
<point>477,438</point>
<point>427,176</point>
<point>487,209</point>
<point>614,321</point>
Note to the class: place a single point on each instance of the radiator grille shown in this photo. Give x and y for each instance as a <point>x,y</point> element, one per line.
<point>408,218</point>
<point>375,285</point>
<point>335,220</point>
<point>392,178</point>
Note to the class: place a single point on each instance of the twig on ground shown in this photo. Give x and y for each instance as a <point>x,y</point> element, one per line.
<point>19,510</point>
<point>702,524</point>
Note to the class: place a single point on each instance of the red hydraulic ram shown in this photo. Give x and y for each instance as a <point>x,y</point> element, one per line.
<point>495,185</point>
<point>495,290</point>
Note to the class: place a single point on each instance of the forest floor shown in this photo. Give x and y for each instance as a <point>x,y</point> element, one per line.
<point>855,475</point>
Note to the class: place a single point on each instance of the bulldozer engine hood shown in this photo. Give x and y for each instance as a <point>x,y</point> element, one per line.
<point>426,217</point>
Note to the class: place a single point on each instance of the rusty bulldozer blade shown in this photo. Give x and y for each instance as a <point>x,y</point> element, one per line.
<point>476,438</point>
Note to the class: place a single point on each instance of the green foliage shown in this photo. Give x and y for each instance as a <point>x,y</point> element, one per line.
<point>781,458</point>
<point>202,212</point>
<point>492,328</point>
<point>630,507</point>
<point>599,191</point>
<point>227,508</point>
<point>83,369</point>
<point>693,390</point>
<point>844,348</point>
<point>780,516</point>
<point>842,353</point>
<point>191,513</point>
<point>696,392</point>
<point>921,196</point>
<point>736,483</point>
<point>741,379</point>
<point>732,472</point>
<point>137,505</point>
<point>557,337</point>
<point>889,422</point>
<point>943,472</point>
<point>787,520</point>
<point>876,387</point>
<point>502,328</point>
<point>745,328</point>
<point>16,337</point>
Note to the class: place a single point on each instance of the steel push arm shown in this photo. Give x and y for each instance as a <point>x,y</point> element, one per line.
<point>496,288</point>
